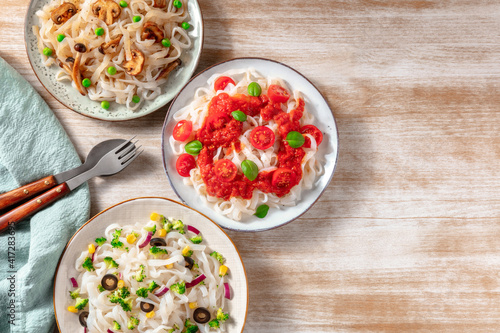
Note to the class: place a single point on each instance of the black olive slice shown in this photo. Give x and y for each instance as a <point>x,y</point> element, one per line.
<point>146,307</point>
<point>188,262</point>
<point>157,242</point>
<point>109,282</point>
<point>201,315</point>
<point>83,318</point>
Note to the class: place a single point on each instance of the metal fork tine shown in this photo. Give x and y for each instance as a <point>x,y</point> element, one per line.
<point>127,150</point>
<point>123,145</point>
<point>127,162</point>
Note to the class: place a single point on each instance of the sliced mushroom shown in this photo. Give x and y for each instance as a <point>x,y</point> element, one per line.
<point>83,318</point>
<point>67,66</point>
<point>146,307</point>
<point>134,66</point>
<point>201,315</point>
<point>63,13</point>
<point>157,242</point>
<point>109,282</point>
<point>76,75</point>
<point>106,10</point>
<point>188,262</point>
<point>160,3</point>
<point>151,30</point>
<point>110,47</point>
<point>170,67</point>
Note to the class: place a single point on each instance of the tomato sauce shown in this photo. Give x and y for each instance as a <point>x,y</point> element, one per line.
<point>221,130</point>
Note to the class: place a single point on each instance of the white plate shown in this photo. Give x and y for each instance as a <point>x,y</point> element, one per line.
<point>139,209</point>
<point>315,104</point>
<point>72,99</point>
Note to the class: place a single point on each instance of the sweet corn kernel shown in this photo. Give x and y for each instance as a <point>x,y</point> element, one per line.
<point>150,314</point>
<point>154,217</point>
<point>162,233</point>
<point>193,305</point>
<point>91,248</point>
<point>121,283</point>
<point>72,309</point>
<point>222,270</point>
<point>131,239</point>
<point>169,266</point>
<point>186,250</point>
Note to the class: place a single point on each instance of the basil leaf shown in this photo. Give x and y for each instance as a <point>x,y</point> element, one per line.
<point>193,147</point>
<point>261,211</point>
<point>295,139</point>
<point>239,115</point>
<point>250,169</point>
<point>254,89</point>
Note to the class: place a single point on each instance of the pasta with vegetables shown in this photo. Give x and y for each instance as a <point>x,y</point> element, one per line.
<point>154,277</point>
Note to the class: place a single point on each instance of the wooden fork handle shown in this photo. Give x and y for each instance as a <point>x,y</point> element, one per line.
<point>33,206</point>
<point>27,191</point>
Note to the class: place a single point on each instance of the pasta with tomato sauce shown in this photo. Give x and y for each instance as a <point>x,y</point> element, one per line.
<point>245,142</point>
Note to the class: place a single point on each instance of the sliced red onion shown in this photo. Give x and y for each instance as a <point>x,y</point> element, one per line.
<point>85,330</point>
<point>227,291</point>
<point>92,258</point>
<point>196,281</point>
<point>110,331</point>
<point>193,229</point>
<point>119,275</point>
<point>73,281</point>
<point>146,241</point>
<point>162,291</point>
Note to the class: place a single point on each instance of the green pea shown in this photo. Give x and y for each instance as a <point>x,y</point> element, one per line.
<point>177,3</point>
<point>261,211</point>
<point>60,37</point>
<point>185,25</point>
<point>86,83</point>
<point>111,70</point>
<point>254,89</point>
<point>105,105</point>
<point>99,31</point>
<point>238,115</point>
<point>295,139</point>
<point>47,51</point>
<point>136,99</point>
<point>193,147</point>
<point>166,42</point>
<point>123,4</point>
<point>136,18</point>
<point>250,169</point>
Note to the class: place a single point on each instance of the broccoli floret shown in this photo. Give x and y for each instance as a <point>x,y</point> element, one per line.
<point>117,233</point>
<point>132,323</point>
<point>173,329</point>
<point>188,253</point>
<point>81,303</point>
<point>88,265</point>
<point>196,239</point>
<point>115,243</point>
<point>116,326</point>
<point>221,316</point>
<point>119,294</point>
<point>152,286</point>
<point>151,229</point>
<point>110,263</point>
<point>218,256</point>
<point>168,226</point>
<point>140,275</point>
<point>75,293</point>
<point>190,327</point>
<point>126,304</point>
<point>100,288</point>
<point>214,323</point>
<point>142,292</point>
<point>100,241</point>
<point>156,251</point>
<point>179,288</point>
<point>179,226</point>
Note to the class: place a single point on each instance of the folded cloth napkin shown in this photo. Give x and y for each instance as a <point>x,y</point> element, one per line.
<point>33,145</point>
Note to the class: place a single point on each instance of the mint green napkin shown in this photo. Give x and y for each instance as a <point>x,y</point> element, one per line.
<point>33,144</point>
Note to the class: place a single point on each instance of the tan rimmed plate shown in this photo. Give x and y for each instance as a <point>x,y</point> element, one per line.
<point>139,209</point>
<point>71,98</point>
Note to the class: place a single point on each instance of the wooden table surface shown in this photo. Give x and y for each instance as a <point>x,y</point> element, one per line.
<point>407,235</point>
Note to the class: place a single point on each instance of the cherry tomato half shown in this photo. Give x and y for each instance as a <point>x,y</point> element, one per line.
<point>284,178</point>
<point>262,137</point>
<point>218,120</point>
<point>222,82</point>
<point>278,94</point>
<point>225,170</point>
<point>182,130</point>
<point>315,132</point>
<point>184,164</point>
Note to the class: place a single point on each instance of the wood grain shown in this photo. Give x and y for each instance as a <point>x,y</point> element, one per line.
<point>27,191</point>
<point>406,238</point>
